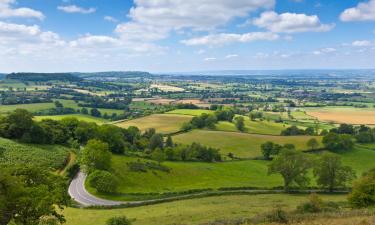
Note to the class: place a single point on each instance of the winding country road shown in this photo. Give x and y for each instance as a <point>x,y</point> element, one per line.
<point>78,192</point>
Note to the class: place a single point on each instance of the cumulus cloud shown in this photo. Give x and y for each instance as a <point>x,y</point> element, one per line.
<point>110,19</point>
<point>163,16</point>
<point>7,11</point>
<point>230,56</point>
<point>291,23</point>
<point>226,38</point>
<point>76,9</point>
<point>364,11</point>
<point>210,59</point>
<point>362,43</point>
<point>324,51</point>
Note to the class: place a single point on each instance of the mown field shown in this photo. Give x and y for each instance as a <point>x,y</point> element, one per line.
<point>190,112</point>
<point>82,117</point>
<point>255,127</point>
<point>163,123</point>
<point>195,211</point>
<point>348,115</point>
<point>46,156</point>
<point>240,144</point>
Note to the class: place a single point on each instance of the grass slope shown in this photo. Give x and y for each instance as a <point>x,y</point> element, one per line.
<point>255,127</point>
<point>86,118</point>
<point>240,144</point>
<point>194,211</point>
<point>47,156</point>
<point>163,123</point>
<point>191,112</point>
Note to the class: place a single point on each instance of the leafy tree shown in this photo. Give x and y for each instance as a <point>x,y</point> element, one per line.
<point>156,141</point>
<point>103,181</point>
<point>96,156</point>
<point>113,135</point>
<point>292,131</point>
<point>334,142</point>
<point>331,173</point>
<point>363,192</point>
<point>169,142</point>
<point>293,167</point>
<point>149,132</point>
<point>122,220</point>
<point>158,155</point>
<point>267,149</point>
<point>95,112</point>
<point>85,131</point>
<point>16,124</point>
<point>309,131</point>
<point>240,123</point>
<point>28,193</point>
<point>84,111</point>
<point>312,143</point>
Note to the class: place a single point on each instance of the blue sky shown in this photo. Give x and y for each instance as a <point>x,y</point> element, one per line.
<point>180,35</point>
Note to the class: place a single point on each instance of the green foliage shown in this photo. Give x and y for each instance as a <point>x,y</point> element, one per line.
<point>331,173</point>
<point>96,156</point>
<point>316,205</point>
<point>156,141</point>
<point>103,181</point>
<point>28,193</point>
<point>240,124</point>
<point>338,142</point>
<point>292,166</point>
<point>16,124</point>
<point>113,136</point>
<point>122,220</point>
<point>363,191</point>
<point>269,148</point>
<point>169,142</point>
<point>312,143</point>
<point>277,215</point>
<point>48,220</point>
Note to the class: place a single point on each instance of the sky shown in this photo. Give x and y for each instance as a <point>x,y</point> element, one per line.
<point>185,35</point>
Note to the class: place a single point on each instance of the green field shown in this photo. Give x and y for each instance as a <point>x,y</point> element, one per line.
<point>191,175</point>
<point>195,211</point>
<point>240,144</point>
<point>82,117</point>
<point>255,127</point>
<point>191,112</point>
<point>163,123</point>
<point>46,156</point>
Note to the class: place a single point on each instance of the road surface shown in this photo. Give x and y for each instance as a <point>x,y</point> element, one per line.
<point>78,192</point>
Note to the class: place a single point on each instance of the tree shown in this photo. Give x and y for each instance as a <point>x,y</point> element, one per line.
<point>95,112</point>
<point>267,149</point>
<point>169,142</point>
<point>96,156</point>
<point>156,141</point>
<point>240,123</point>
<point>28,193</point>
<point>158,155</point>
<point>112,135</point>
<point>103,181</point>
<point>312,144</point>
<point>122,220</point>
<point>335,142</point>
<point>48,220</point>
<point>16,124</point>
<point>363,192</point>
<point>293,167</point>
<point>84,111</point>
<point>331,173</point>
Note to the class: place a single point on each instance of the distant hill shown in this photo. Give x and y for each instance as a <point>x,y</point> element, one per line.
<point>115,74</point>
<point>2,76</point>
<point>43,77</point>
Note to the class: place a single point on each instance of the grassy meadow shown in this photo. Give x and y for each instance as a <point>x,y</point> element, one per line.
<point>190,112</point>
<point>82,117</point>
<point>242,145</point>
<point>163,123</point>
<point>255,127</point>
<point>195,211</point>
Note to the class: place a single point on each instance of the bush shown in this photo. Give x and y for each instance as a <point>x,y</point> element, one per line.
<point>121,220</point>
<point>316,205</point>
<point>48,220</point>
<point>277,215</point>
<point>103,181</point>
<point>363,193</point>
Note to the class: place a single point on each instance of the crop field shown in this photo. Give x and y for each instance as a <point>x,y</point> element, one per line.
<point>166,88</point>
<point>82,117</point>
<point>163,123</point>
<point>46,156</point>
<point>344,115</point>
<point>191,112</point>
<point>242,145</point>
<point>195,211</point>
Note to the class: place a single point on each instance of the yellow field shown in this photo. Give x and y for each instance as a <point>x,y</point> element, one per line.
<point>344,115</point>
<point>163,123</point>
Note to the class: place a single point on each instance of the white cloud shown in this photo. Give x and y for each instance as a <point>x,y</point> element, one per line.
<point>210,59</point>
<point>291,23</point>
<point>226,38</point>
<point>111,19</point>
<point>154,20</point>
<point>6,11</point>
<point>324,51</point>
<point>76,9</point>
<point>230,56</point>
<point>94,41</point>
<point>362,43</point>
<point>364,11</point>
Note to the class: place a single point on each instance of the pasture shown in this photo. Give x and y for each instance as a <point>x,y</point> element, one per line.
<point>163,123</point>
<point>190,112</point>
<point>195,211</point>
<point>166,88</point>
<point>82,117</point>
<point>242,145</point>
<point>344,115</point>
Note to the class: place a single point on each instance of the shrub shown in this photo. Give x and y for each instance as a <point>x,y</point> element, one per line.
<point>103,181</point>
<point>277,215</point>
<point>48,220</point>
<point>363,193</point>
<point>121,220</point>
